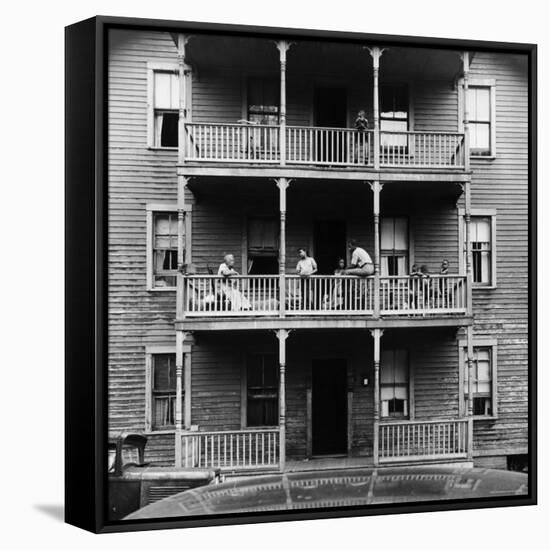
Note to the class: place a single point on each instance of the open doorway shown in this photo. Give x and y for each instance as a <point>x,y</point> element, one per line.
<point>329,407</point>
<point>329,242</point>
<point>330,111</point>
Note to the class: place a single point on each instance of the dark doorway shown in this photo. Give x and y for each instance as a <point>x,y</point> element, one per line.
<point>330,111</point>
<point>329,241</point>
<point>329,407</point>
<point>330,107</point>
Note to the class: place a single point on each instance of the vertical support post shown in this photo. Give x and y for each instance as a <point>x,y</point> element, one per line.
<point>282,184</point>
<point>187,390</point>
<point>466,121</point>
<point>282,335</point>
<point>182,41</point>
<point>181,299</point>
<point>376,334</point>
<point>376,187</point>
<point>180,336</point>
<point>282,46</point>
<point>470,366</point>
<point>376,53</point>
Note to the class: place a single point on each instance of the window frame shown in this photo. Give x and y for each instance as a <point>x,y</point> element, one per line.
<point>152,209</point>
<point>481,213</point>
<point>151,351</point>
<point>410,243</point>
<point>478,343</point>
<point>244,390</point>
<point>410,388</point>
<point>153,67</point>
<point>480,83</point>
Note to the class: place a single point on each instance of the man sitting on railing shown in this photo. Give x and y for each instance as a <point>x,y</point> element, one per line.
<point>361,263</point>
<point>228,288</point>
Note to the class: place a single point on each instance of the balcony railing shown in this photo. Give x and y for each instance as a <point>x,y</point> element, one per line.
<point>244,143</point>
<point>328,146</point>
<point>411,295</point>
<point>422,149</point>
<point>329,295</point>
<point>249,449</point>
<point>313,146</point>
<point>423,440</point>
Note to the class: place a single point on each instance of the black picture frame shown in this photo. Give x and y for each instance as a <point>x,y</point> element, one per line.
<point>86,128</point>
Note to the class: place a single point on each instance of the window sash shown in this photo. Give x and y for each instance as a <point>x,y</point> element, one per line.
<point>481,238</point>
<point>394,383</point>
<point>165,248</point>
<point>482,379</point>
<point>262,391</point>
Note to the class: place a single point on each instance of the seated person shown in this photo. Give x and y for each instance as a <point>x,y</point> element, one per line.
<point>230,289</point>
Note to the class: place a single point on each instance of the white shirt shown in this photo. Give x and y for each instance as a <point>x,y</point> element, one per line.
<point>360,257</point>
<point>306,266</point>
<point>225,270</point>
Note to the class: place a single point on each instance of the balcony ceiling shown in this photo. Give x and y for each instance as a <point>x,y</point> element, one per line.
<point>309,57</point>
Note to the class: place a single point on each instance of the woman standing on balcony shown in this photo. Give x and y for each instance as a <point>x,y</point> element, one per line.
<point>230,289</point>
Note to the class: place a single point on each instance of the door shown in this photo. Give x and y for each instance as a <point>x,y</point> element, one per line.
<point>329,407</point>
<point>329,243</point>
<point>330,111</point>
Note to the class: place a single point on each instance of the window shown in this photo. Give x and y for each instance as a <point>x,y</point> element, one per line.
<point>262,391</point>
<point>263,101</point>
<point>483,239</point>
<point>479,115</point>
<point>480,235</point>
<point>481,102</point>
<point>163,391</point>
<point>394,114</point>
<point>394,246</point>
<point>165,108</point>
<point>263,246</point>
<point>394,384</point>
<point>482,381</point>
<point>165,249</point>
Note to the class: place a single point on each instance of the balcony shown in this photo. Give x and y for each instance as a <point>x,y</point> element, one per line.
<point>336,148</point>
<point>319,295</point>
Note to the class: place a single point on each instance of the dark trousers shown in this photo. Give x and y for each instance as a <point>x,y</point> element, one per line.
<point>305,292</point>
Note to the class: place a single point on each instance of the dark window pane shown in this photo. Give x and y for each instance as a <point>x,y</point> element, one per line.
<point>164,372</point>
<point>170,260</point>
<point>169,131</point>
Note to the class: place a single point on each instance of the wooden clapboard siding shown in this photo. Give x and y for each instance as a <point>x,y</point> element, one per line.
<point>137,176</point>
<point>435,106</point>
<point>502,312</point>
<point>434,369</point>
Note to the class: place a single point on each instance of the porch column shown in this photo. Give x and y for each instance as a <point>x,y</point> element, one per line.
<point>183,250</point>
<point>282,184</point>
<point>376,53</point>
<point>182,41</point>
<point>466,121</point>
<point>376,187</point>
<point>282,46</point>
<point>183,390</point>
<point>376,334</point>
<point>282,335</point>
<point>470,328</point>
<point>180,336</point>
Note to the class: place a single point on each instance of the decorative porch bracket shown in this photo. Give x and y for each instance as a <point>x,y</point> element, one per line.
<point>376,187</point>
<point>183,249</point>
<point>377,335</point>
<point>182,74</point>
<point>282,184</point>
<point>283,46</point>
<point>376,53</point>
